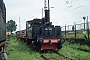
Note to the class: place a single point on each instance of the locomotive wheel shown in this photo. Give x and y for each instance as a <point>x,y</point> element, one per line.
<point>24,40</point>
<point>59,46</point>
<point>37,46</point>
<point>27,42</point>
<point>0,48</point>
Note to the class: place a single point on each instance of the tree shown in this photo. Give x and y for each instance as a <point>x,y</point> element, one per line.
<point>11,26</point>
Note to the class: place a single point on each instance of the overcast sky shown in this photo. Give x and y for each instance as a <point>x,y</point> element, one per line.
<point>64,11</point>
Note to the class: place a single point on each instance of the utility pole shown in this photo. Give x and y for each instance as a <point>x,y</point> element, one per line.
<point>42,12</point>
<point>48,5</point>
<point>19,24</point>
<point>84,22</point>
<point>75,30</point>
<point>87,27</point>
<point>19,27</point>
<point>45,4</point>
<point>65,32</point>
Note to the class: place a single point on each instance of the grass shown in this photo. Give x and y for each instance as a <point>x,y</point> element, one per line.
<point>71,50</point>
<point>20,51</point>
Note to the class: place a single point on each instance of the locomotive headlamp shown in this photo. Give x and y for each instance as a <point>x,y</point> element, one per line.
<point>50,28</point>
<point>40,40</point>
<point>46,28</point>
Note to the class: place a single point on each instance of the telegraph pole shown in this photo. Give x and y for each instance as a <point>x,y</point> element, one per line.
<point>19,24</point>
<point>87,27</point>
<point>45,4</point>
<point>84,22</point>
<point>75,30</point>
<point>42,12</point>
<point>48,5</point>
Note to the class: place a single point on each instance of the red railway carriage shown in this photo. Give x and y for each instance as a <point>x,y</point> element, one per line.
<point>21,34</point>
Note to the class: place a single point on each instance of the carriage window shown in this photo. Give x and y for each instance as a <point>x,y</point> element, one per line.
<point>22,32</point>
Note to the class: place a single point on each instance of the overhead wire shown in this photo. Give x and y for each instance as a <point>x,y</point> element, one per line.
<point>72,2</point>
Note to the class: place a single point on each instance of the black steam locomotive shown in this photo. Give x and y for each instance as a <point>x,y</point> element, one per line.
<point>2,24</point>
<point>42,35</point>
<point>2,27</point>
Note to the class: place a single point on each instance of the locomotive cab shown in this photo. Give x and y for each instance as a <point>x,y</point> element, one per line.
<point>33,28</point>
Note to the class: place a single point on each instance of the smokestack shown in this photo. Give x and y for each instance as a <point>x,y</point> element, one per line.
<point>47,12</point>
<point>47,15</point>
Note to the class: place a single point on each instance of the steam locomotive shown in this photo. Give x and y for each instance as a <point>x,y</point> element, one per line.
<point>42,35</point>
<point>2,26</point>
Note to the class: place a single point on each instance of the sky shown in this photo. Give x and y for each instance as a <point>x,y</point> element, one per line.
<point>64,11</point>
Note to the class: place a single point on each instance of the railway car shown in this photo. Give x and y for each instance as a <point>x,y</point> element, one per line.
<point>2,27</point>
<point>2,24</point>
<point>42,35</point>
<point>21,35</point>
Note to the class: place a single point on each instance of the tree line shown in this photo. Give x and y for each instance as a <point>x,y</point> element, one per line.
<point>11,26</point>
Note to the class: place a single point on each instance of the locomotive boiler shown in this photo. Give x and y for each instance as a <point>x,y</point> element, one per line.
<point>42,35</point>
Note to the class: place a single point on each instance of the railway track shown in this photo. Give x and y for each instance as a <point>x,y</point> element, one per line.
<point>55,56</point>
<point>46,58</point>
<point>65,57</point>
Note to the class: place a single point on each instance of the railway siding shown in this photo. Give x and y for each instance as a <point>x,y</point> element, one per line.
<point>21,51</point>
